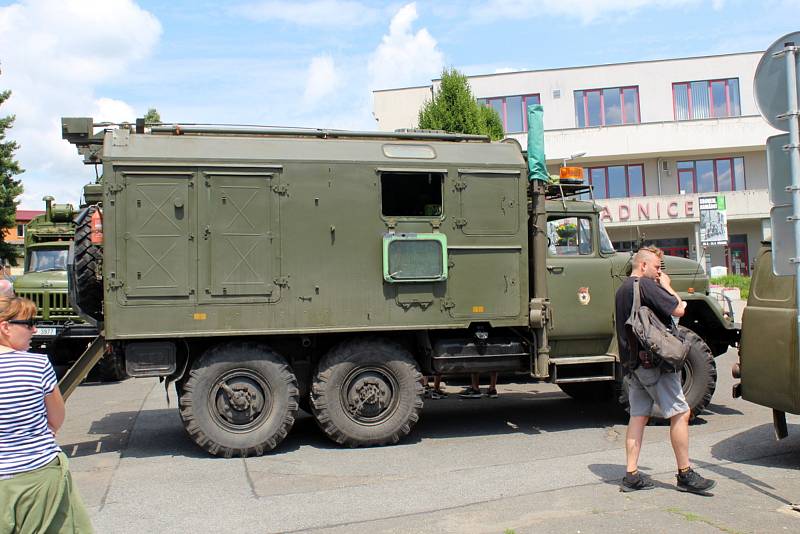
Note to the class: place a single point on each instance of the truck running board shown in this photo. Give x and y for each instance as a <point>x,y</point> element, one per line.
<point>575,369</point>
<point>82,366</point>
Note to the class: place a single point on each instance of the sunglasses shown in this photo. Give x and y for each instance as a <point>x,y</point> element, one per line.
<point>30,323</point>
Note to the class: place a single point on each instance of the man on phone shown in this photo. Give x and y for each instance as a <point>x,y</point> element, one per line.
<point>648,384</point>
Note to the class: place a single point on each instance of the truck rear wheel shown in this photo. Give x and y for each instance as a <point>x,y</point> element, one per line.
<point>698,378</point>
<point>239,400</point>
<point>367,392</point>
<point>87,260</point>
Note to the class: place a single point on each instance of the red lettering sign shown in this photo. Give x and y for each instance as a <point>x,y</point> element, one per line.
<point>644,211</point>
<point>689,208</point>
<point>624,212</point>
<point>672,209</point>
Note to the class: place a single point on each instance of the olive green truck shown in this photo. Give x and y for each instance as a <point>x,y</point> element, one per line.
<point>266,269</point>
<point>60,332</point>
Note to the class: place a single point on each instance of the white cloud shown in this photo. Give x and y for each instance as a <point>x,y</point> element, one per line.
<point>320,13</point>
<point>110,110</point>
<point>54,55</point>
<point>322,79</point>
<point>586,10</point>
<point>403,56</point>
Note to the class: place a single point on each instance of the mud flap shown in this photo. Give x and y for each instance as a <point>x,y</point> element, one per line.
<point>779,422</point>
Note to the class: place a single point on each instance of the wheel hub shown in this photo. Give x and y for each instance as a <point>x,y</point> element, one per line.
<point>369,396</point>
<point>240,400</point>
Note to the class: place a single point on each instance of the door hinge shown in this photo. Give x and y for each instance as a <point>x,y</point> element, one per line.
<point>281,281</point>
<point>448,304</point>
<point>115,284</point>
<point>459,223</point>
<point>280,189</point>
<point>114,189</point>
<point>460,186</point>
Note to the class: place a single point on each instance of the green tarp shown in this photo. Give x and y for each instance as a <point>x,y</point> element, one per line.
<point>537,167</point>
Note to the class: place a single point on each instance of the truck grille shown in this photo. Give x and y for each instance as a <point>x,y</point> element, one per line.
<point>50,305</point>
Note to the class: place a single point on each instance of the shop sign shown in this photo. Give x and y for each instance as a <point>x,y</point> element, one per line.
<point>652,210</point>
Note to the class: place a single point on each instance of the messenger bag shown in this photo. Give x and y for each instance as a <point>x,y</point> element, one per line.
<point>653,335</point>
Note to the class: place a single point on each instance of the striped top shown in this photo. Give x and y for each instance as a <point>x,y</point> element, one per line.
<point>25,441</point>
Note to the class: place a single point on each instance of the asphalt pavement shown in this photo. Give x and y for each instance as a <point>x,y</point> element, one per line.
<point>532,460</point>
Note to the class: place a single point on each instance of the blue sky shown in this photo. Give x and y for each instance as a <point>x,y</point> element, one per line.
<point>313,63</point>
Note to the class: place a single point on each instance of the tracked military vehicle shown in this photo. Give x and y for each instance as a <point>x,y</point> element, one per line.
<point>264,269</point>
<point>60,332</point>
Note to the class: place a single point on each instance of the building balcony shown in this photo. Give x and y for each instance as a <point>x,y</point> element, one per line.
<point>653,210</point>
<point>656,139</point>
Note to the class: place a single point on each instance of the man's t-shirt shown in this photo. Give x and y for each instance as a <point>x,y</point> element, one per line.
<point>653,296</point>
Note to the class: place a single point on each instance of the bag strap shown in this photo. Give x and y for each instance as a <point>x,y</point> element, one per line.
<point>637,298</point>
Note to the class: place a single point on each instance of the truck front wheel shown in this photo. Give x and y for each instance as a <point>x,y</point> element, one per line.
<point>367,392</point>
<point>239,400</point>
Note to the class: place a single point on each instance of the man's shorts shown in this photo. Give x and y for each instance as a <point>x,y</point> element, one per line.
<point>649,387</point>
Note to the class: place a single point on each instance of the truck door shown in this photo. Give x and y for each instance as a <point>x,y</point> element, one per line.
<point>580,287</point>
<point>239,243</point>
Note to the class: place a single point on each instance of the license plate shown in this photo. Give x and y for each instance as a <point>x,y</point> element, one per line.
<point>45,331</point>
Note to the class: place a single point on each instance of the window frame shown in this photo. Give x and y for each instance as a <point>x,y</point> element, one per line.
<point>585,106</point>
<point>487,101</point>
<point>604,168</point>
<point>728,102</point>
<point>714,165</point>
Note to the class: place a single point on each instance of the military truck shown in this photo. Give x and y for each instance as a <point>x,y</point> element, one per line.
<point>263,269</point>
<point>60,332</point>
<point>769,365</point>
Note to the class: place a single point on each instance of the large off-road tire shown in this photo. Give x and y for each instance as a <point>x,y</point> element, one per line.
<point>699,374</point>
<point>698,377</point>
<point>240,400</point>
<point>87,264</point>
<point>589,391</point>
<point>367,392</point>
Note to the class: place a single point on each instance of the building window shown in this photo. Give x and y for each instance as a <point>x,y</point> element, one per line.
<point>711,175</point>
<point>678,246</point>
<point>706,99</point>
<point>616,181</point>
<point>606,107</point>
<point>512,110</point>
<point>20,230</point>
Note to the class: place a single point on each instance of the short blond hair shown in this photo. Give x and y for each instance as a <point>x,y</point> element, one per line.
<point>644,254</point>
<point>16,308</point>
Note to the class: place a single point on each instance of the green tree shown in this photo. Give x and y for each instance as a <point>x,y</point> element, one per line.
<point>10,188</point>
<point>152,116</point>
<point>454,109</point>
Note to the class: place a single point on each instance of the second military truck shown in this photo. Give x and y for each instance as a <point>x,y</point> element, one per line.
<point>60,332</point>
<point>265,269</point>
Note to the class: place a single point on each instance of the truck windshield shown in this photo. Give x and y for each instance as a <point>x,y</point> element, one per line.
<point>606,247</point>
<point>46,260</point>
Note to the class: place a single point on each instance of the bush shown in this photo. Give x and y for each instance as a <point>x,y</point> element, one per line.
<point>734,280</point>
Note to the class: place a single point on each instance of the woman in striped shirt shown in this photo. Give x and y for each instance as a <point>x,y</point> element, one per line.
<point>36,487</point>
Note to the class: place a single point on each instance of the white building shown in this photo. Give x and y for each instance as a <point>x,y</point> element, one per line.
<point>656,135</point>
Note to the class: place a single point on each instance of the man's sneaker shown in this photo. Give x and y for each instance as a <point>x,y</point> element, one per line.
<point>491,393</point>
<point>438,394</point>
<point>469,393</point>
<point>636,482</point>
<point>692,482</point>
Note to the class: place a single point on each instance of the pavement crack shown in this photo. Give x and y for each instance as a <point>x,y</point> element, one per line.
<point>250,480</point>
